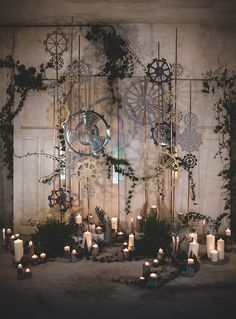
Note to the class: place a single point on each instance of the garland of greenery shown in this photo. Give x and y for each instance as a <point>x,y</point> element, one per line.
<point>22,81</point>
<point>222,87</point>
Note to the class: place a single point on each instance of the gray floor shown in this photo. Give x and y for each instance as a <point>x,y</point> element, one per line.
<point>85,289</point>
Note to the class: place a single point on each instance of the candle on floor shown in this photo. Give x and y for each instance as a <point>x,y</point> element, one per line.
<point>87,236</point>
<point>74,256</point>
<point>31,248</point>
<point>228,241</point>
<point>193,247</point>
<point>8,231</point>
<point>99,230</point>
<point>177,243</point>
<point>221,249</point>
<point>153,280</point>
<point>160,254</point>
<point>153,211</point>
<point>173,244</point>
<point>67,249</point>
<point>91,219</point>
<point>20,272</point>
<point>126,253</point>
<point>34,260</point>
<point>120,237</point>
<point>210,244</point>
<point>27,273</point>
<point>4,234</point>
<point>18,249</point>
<point>95,250</point>
<point>214,255</point>
<point>114,223</point>
<point>155,263</point>
<point>43,258</point>
<point>17,236</point>
<point>78,219</point>
<point>125,245</point>
<point>139,227</point>
<point>204,227</point>
<point>142,282</point>
<point>131,241</point>
<point>146,269</point>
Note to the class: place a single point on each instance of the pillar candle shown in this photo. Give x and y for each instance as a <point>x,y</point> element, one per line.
<point>18,249</point>
<point>8,231</point>
<point>78,219</point>
<point>177,243</point>
<point>17,236</point>
<point>4,234</point>
<point>221,248</point>
<point>153,280</point>
<point>228,232</point>
<point>193,236</point>
<point>114,223</point>
<point>173,245</point>
<point>125,253</point>
<point>91,219</point>
<point>99,230</point>
<point>95,250</point>
<point>66,248</point>
<point>194,247</point>
<point>43,257</point>
<point>155,263</point>
<point>131,240</point>
<point>92,228</point>
<point>204,227</point>
<point>214,255</point>
<point>153,211</point>
<point>146,269</point>
<point>88,237</point>
<point>210,244</point>
<point>120,236</point>
<point>139,224</point>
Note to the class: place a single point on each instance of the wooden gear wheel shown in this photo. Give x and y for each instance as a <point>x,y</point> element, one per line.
<point>87,172</point>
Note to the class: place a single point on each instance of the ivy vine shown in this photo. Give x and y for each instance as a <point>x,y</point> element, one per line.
<point>222,86</point>
<point>22,80</point>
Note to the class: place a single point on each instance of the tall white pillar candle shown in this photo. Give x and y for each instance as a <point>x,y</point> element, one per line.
<point>139,224</point>
<point>221,248</point>
<point>214,255</point>
<point>177,243</point>
<point>88,237</point>
<point>228,232</point>
<point>18,249</point>
<point>131,240</point>
<point>194,247</point>
<point>4,234</point>
<point>173,245</point>
<point>78,219</point>
<point>210,244</point>
<point>114,223</point>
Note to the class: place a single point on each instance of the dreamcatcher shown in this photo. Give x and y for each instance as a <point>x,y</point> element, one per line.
<point>87,132</point>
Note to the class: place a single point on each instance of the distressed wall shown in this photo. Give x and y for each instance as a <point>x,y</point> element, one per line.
<point>200,48</point>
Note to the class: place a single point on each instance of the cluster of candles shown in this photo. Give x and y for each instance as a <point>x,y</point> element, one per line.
<point>23,273</point>
<point>150,277</point>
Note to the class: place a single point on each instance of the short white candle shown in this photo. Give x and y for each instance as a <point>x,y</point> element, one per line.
<point>34,257</point>
<point>194,247</point>
<point>78,219</point>
<point>27,270</point>
<point>214,255</point>
<point>139,224</point>
<point>210,244</point>
<point>190,261</point>
<point>153,211</point>
<point>221,248</point>
<point>19,266</point>
<point>42,255</point>
<point>131,240</point>
<point>173,245</point>
<point>153,275</point>
<point>18,249</point>
<point>160,251</point>
<point>88,237</point>
<point>30,243</point>
<point>17,236</point>
<point>67,248</point>
<point>228,232</point>
<point>8,231</point>
<point>98,230</point>
<point>114,223</point>
<point>74,252</point>
<point>177,243</point>
<point>193,236</point>
<point>3,234</point>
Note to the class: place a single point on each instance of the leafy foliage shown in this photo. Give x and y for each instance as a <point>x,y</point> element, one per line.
<point>52,235</point>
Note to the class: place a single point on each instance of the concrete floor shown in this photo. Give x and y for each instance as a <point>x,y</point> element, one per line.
<point>85,289</point>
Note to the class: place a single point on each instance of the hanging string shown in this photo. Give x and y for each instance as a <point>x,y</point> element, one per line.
<point>190,111</point>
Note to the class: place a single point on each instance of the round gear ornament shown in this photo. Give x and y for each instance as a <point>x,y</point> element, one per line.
<point>177,69</point>
<point>189,161</point>
<point>159,71</point>
<point>56,62</point>
<point>161,134</point>
<point>55,89</point>
<point>78,72</point>
<point>61,113</point>
<point>87,132</point>
<point>60,198</point>
<point>189,140</point>
<point>87,172</point>
<point>88,191</point>
<point>142,100</point>
<point>56,43</point>
<point>175,116</point>
<point>190,119</point>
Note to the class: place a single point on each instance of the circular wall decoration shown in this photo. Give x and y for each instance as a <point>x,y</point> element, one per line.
<point>159,71</point>
<point>78,72</point>
<point>177,69</point>
<point>60,198</point>
<point>87,172</point>
<point>189,161</point>
<point>161,134</point>
<point>189,140</point>
<point>87,132</point>
<point>55,89</point>
<point>175,116</point>
<point>190,119</point>
<point>88,191</point>
<point>56,62</point>
<point>61,113</point>
<point>142,100</point>
<point>56,43</point>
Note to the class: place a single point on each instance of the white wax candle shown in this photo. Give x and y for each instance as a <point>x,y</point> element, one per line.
<point>98,230</point>
<point>153,275</point>
<point>19,266</point>
<point>153,211</point>
<point>114,223</point>
<point>194,247</point>
<point>139,223</point>
<point>228,232</point>
<point>67,248</point>
<point>147,263</point>
<point>3,234</point>
<point>193,236</point>
<point>34,257</point>
<point>88,237</point>
<point>42,255</point>
<point>221,248</point>
<point>210,244</point>
<point>177,243</point>
<point>131,240</point>
<point>30,243</point>
<point>8,231</point>
<point>173,244</point>
<point>18,249</point>
<point>214,255</point>
<point>160,251</point>
<point>190,261</point>
<point>74,252</point>
<point>17,236</point>
<point>78,219</point>
<point>92,228</point>
<point>27,270</point>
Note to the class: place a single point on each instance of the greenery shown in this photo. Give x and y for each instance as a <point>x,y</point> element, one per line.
<point>221,85</point>
<point>156,234</point>
<point>22,81</point>
<point>51,237</point>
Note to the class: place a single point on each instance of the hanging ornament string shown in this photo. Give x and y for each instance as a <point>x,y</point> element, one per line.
<point>145,141</point>
<point>190,111</point>
<point>79,95</point>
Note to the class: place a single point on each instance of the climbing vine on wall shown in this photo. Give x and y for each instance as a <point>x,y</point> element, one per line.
<point>222,86</point>
<point>22,80</point>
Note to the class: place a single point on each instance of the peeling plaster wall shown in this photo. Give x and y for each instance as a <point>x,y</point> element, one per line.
<point>200,48</point>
